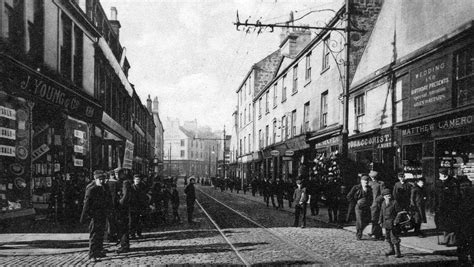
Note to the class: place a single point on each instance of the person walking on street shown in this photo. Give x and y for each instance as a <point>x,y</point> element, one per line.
<point>301,199</point>
<point>389,220</point>
<point>190,192</point>
<point>112,226</point>
<point>96,206</point>
<point>332,192</point>
<point>377,188</point>
<point>361,194</point>
<point>417,204</point>
<point>124,211</point>
<point>402,191</point>
<point>266,191</point>
<point>314,191</point>
<point>137,206</point>
<point>175,204</point>
<point>447,201</point>
<point>279,191</point>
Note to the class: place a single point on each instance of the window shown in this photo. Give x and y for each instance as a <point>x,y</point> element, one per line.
<point>250,147</point>
<point>266,135</point>
<point>306,116</point>
<point>245,114</point>
<point>324,109</point>
<point>250,84</point>
<point>274,130</point>
<point>287,132</point>
<point>295,79</point>
<point>275,94</point>
<point>359,112</point>
<point>240,119</point>
<point>282,135</point>
<point>464,61</point>
<point>250,112</point>
<point>240,147</point>
<point>78,56</point>
<point>307,74</point>
<point>244,91</point>
<point>293,123</point>
<point>192,154</point>
<point>245,142</point>
<point>326,52</point>
<point>266,103</point>
<point>260,138</point>
<point>283,89</point>
<point>182,142</point>
<point>260,107</point>
<point>66,47</point>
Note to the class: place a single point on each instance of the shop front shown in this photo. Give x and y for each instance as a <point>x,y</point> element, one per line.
<point>296,159</point>
<point>53,132</point>
<point>375,150</point>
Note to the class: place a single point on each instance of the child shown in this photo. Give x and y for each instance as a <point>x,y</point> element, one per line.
<point>175,203</point>
<point>389,221</point>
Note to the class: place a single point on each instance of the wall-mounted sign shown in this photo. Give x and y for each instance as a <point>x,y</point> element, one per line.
<point>78,149</point>
<point>430,88</point>
<point>380,140</point>
<point>78,163</point>
<point>37,153</point>
<point>289,153</point>
<point>328,142</point>
<point>7,113</point>
<point>275,153</point>
<point>7,151</point>
<point>79,134</point>
<point>443,126</point>
<point>128,155</point>
<point>7,133</point>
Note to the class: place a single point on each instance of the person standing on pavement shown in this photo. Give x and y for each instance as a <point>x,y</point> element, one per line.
<point>112,226</point>
<point>447,201</point>
<point>361,194</point>
<point>388,220</point>
<point>137,206</point>
<point>175,203</point>
<point>417,204</point>
<point>402,191</point>
<point>279,190</point>
<point>301,199</point>
<point>96,206</point>
<point>332,192</point>
<point>315,192</point>
<point>266,190</point>
<point>190,192</point>
<point>123,211</point>
<point>377,188</point>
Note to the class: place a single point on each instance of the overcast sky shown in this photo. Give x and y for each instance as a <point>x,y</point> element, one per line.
<point>190,55</point>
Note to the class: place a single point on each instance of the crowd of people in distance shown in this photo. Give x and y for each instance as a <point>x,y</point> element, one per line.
<point>119,207</point>
<point>398,208</point>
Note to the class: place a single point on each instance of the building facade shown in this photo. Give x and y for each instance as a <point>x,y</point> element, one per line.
<point>65,101</point>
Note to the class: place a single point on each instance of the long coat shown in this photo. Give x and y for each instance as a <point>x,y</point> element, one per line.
<point>447,203</point>
<point>363,200</point>
<point>388,214</point>
<point>417,201</point>
<point>96,203</point>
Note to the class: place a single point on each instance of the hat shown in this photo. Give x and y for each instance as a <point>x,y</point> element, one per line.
<point>330,174</point>
<point>386,191</point>
<point>373,173</point>
<point>112,172</point>
<point>443,171</point>
<point>298,181</point>
<point>98,173</point>
<point>364,177</point>
<point>137,176</point>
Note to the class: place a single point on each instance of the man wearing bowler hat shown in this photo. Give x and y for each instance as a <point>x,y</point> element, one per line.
<point>96,207</point>
<point>361,194</point>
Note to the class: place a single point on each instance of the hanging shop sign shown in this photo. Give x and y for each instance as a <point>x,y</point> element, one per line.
<point>275,153</point>
<point>289,153</point>
<point>379,140</point>
<point>430,88</point>
<point>32,83</point>
<point>128,155</point>
<point>40,151</point>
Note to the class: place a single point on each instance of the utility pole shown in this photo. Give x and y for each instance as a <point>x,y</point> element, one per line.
<point>169,160</point>
<point>223,157</point>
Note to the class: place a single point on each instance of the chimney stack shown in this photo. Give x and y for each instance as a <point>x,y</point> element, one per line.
<point>114,22</point>
<point>156,105</point>
<point>148,104</point>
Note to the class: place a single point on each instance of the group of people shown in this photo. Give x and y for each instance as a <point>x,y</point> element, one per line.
<point>118,208</point>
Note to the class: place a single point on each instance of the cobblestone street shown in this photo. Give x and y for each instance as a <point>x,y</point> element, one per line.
<point>274,243</point>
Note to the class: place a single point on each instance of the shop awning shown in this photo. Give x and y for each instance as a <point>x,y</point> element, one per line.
<point>324,134</point>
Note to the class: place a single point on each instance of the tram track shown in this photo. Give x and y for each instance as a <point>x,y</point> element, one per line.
<point>225,218</point>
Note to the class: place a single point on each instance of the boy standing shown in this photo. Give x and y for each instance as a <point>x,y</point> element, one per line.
<point>388,220</point>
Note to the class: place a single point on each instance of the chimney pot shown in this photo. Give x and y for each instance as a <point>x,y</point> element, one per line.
<point>113,13</point>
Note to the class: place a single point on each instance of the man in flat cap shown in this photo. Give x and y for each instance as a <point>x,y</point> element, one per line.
<point>96,207</point>
<point>361,194</point>
<point>123,211</point>
<point>301,199</point>
<point>377,187</point>
<point>389,220</point>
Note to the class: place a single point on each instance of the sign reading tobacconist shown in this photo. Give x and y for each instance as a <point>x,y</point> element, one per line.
<point>430,90</point>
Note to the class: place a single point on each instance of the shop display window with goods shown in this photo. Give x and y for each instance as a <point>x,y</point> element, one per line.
<point>15,153</point>
<point>457,156</point>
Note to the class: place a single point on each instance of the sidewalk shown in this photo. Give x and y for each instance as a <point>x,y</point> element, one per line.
<point>428,244</point>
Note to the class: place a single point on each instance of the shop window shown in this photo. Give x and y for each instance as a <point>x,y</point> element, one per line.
<point>412,155</point>
<point>283,89</point>
<point>359,105</point>
<point>295,79</point>
<point>464,61</point>
<point>324,109</point>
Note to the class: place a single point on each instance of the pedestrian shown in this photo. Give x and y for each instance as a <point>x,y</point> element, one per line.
<point>137,207</point>
<point>417,205</point>
<point>123,211</point>
<point>402,191</point>
<point>301,199</point>
<point>253,184</point>
<point>190,198</point>
<point>96,206</point>
<point>465,229</point>
<point>156,203</point>
<point>332,192</point>
<point>314,191</point>
<point>389,220</point>
<point>279,191</point>
<point>377,187</point>
<point>447,202</point>
<point>113,189</point>
<point>175,203</point>
<point>361,194</point>
<point>289,189</point>
<point>266,191</point>
<point>272,192</point>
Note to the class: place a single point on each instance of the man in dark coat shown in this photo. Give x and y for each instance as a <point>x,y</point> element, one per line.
<point>388,219</point>
<point>96,207</point>
<point>301,198</point>
<point>401,192</point>
<point>332,192</point>
<point>123,211</point>
<point>175,203</point>
<point>446,206</point>
<point>266,190</point>
<point>137,206</point>
<point>361,194</point>
<point>279,191</point>
<point>417,205</point>
<point>190,192</point>
<point>377,186</point>
<point>465,229</point>
<point>314,191</point>
<point>112,186</point>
